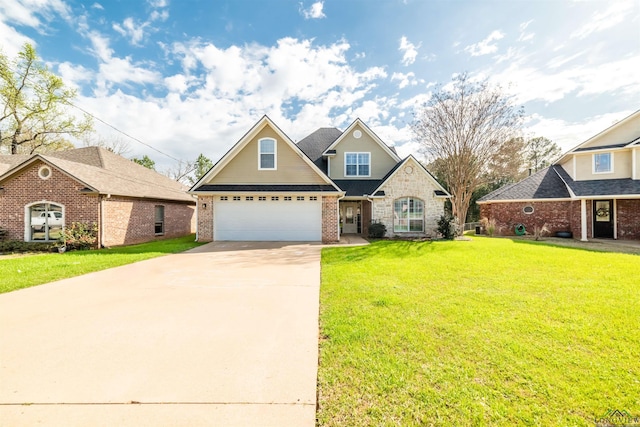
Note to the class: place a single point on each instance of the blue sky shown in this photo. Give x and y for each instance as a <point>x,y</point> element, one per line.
<point>192,76</point>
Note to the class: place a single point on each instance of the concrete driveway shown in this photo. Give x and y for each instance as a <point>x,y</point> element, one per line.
<point>224,335</point>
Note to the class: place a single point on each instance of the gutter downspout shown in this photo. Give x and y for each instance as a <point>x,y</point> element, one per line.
<point>101,200</point>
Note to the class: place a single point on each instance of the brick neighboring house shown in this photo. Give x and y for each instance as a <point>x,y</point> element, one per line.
<point>41,193</point>
<point>593,191</point>
<point>266,187</point>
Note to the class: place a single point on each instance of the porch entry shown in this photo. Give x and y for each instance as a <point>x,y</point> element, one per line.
<point>603,219</point>
<point>355,216</point>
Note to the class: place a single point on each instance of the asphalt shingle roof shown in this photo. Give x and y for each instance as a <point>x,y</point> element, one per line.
<point>544,184</point>
<point>358,187</point>
<point>108,173</point>
<point>271,188</point>
<point>315,144</point>
<point>600,187</point>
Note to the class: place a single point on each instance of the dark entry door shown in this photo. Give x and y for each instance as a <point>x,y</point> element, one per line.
<point>603,218</point>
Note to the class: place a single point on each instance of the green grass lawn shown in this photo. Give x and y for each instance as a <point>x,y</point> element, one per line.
<point>30,270</point>
<point>472,333</point>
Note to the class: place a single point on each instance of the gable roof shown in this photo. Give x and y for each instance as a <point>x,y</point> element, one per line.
<point>358,122</point>
<point>584,146</point>
<point>544,184</point>
<point>600,187</point>
<point>242,143</point>
<point>104,172</point>
<point>315,144</point>
<point>440,191</point>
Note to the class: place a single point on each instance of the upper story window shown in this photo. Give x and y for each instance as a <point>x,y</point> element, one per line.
<point>357,164</point>
<point>602,163</point>
<point>267,154</point>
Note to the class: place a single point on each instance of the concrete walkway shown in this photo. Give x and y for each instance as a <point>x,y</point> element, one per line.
<point>224,335</point>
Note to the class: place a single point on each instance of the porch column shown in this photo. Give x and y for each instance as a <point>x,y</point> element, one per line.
<point>615,219</point>
<point>583,219</point>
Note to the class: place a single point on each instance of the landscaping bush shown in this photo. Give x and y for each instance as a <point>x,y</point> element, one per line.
<point>18,246</point>
<point>489,226</point>
<point>447,227</point>
<point>79,235</point>
<point>377,230</point>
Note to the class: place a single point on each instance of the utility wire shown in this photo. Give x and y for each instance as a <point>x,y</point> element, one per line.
<point>121,131</point>
<point>108,124</point>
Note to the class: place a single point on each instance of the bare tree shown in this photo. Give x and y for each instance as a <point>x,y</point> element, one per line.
<point>34,103</point>
<point>541,152</point>
<point>466,127</point>
<point>181,171</point>
<point>115,144</point>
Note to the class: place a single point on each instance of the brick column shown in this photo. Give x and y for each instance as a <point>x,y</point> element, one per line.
<point>205,218</point>
<point>330,219</point>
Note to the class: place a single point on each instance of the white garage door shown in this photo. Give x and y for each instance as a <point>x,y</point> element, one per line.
<point>268,220</point>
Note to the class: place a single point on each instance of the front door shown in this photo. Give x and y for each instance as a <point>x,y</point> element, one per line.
<point>603,219</point>
<point>350,217</point>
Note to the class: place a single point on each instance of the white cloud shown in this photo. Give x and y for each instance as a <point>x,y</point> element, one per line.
<point>485,46</point>
<point>12,40</point>
<point>616,12</point>
<point>408,79</point>
<point>74,75</point>
<point>409,51</point>
<point>524,36</point>
<point>133,30</point>
<point>534,84</point>
<point>314,11</point>
<point>570,134</point>
<point>97,6</point>
<point>158,3</point>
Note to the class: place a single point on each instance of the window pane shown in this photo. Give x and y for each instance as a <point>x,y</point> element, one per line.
<point>267,161</point>
<point>602,162</point>
<point>352,170</point>
<point>267,146</point>
<point>363,170</point>
<point>352,158</point>
<point>363,158</point>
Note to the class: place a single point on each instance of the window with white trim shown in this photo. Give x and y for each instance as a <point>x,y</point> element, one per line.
<point>313,198</point>
<point>408,215</point>
<point>357,164</point>
<point>300,198</point>
<point>237,198</point>
<point>249,198</point>
<point>44,221</point>
<point>262,198</point>
<point>602,163</point>
<point>267,154</point>
<point>159,220</point>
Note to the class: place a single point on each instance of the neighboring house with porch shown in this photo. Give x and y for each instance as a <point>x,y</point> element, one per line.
<point>41,193</point>
<point>266,187</point>
<point>593,191</point>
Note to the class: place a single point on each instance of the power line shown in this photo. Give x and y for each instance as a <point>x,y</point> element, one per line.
<point>108,124</point>
<point>121,131</point>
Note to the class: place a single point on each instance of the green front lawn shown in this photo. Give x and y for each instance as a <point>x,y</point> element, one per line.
<point>30,270</point>
<point>483,332</point>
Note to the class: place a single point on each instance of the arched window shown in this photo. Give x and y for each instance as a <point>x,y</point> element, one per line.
<point>408,214</point>
<point>43,221</point>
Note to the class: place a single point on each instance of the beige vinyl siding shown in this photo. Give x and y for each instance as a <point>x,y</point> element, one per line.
<point>380,161</point>
<point>636,153</point>
<point>584,166</point>
<point>291,168</point>
<point>626,132</point>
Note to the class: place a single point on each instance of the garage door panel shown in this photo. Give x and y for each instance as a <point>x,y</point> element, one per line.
<point>268,220</point>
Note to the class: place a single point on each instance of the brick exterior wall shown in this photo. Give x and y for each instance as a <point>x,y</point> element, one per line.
<point>628,214</point>
<point>557,215</point>
<point>27,187</point>
<point>125,221</point>
<point>330,219</point>
<point>561,216</point>
<point>128,221</point>
<point>205,218</point>
<point>416,184</point>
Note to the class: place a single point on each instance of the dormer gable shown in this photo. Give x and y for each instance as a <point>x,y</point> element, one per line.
<point>613,153</point>
<point>359,154</point>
